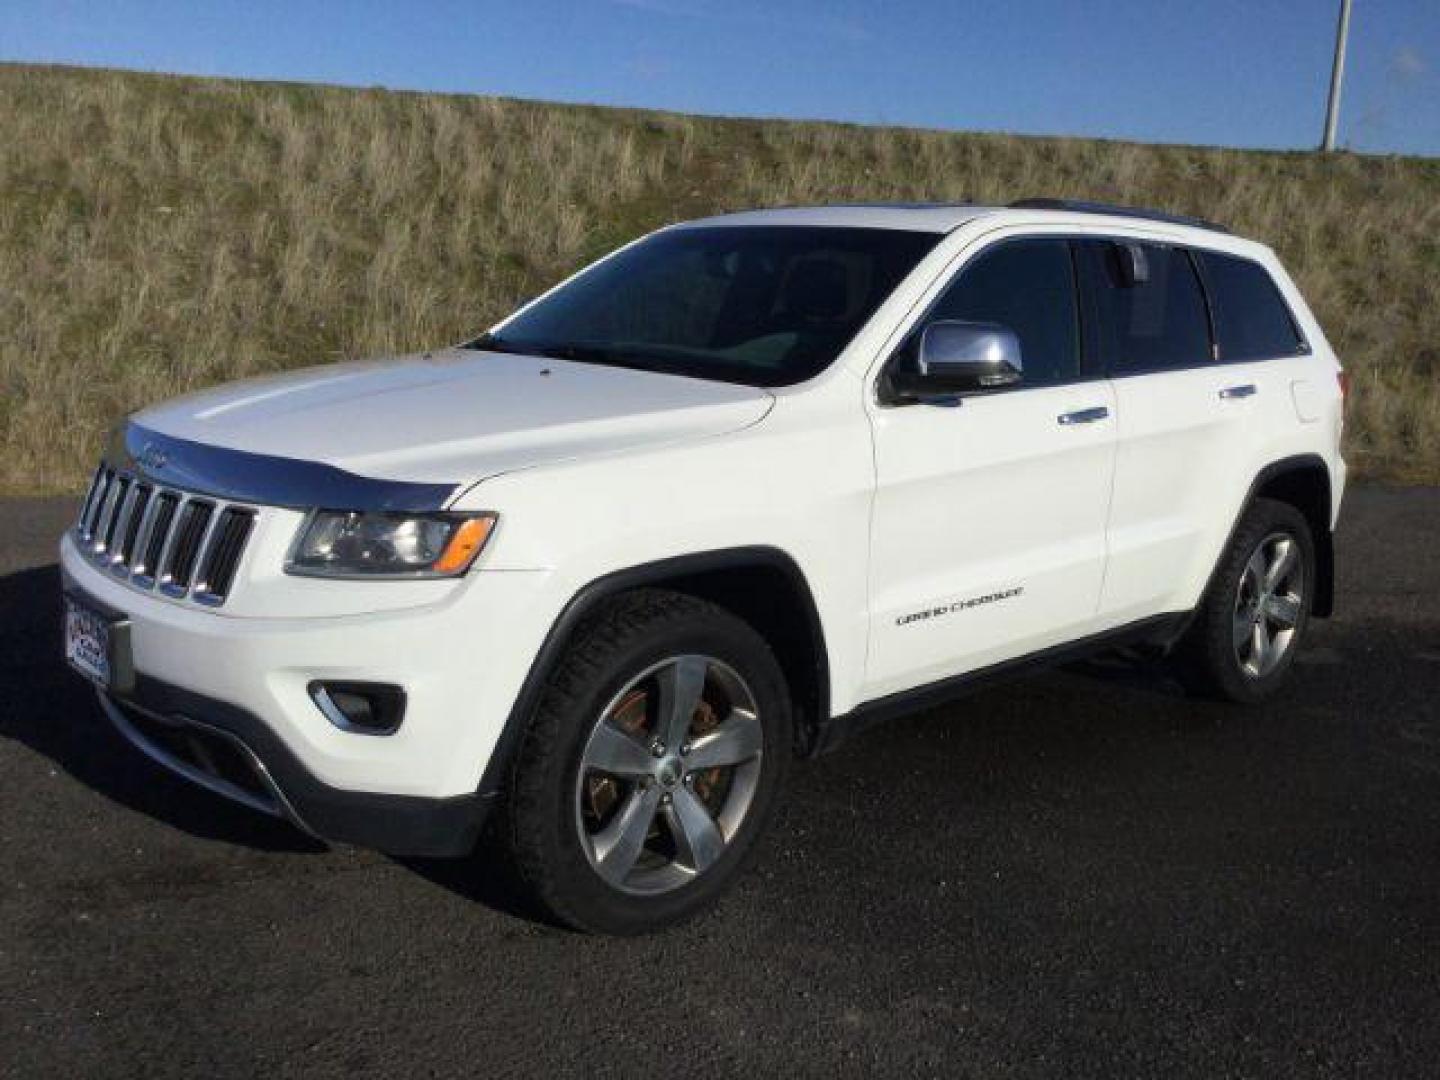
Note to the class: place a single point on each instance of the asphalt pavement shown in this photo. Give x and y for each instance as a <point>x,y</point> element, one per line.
<point>1082,874</point>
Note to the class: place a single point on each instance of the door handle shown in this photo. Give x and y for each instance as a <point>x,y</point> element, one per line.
<point>1231,393</point>
<point>1084,416</point>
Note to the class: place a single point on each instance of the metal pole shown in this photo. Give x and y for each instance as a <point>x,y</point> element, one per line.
<point>1337,75</point>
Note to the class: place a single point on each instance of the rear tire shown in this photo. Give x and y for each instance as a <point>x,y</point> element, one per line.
<point>650,764</point>
<point>1253,617</point>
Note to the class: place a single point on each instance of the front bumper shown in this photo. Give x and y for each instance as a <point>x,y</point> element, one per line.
<point>237,686</point>
<point>232,753</point>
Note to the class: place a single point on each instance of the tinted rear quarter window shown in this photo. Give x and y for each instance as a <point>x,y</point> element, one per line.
<point>1149,324</point>
<point>1252,320</point>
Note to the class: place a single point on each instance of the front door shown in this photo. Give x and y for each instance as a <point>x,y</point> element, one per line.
<point>988,530</point>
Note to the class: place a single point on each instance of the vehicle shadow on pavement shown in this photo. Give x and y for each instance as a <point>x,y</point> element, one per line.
<point>1046,745</point>
<point>49,709</point>
<point>487,876</point>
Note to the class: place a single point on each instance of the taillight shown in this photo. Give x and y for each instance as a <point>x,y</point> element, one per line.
<point>1344,381</point>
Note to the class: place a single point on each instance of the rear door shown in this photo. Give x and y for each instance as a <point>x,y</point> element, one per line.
<point>1186,423</point>
<point>988,529</point>
<point>1255,329</point>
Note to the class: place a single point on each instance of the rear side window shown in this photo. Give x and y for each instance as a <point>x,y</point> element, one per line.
<point>1149,310</point>
<point>1028,286</point>
<point>1252,321</point>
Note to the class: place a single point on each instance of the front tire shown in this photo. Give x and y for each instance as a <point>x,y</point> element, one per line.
<point>1253,616</point>
<point>650,764</point>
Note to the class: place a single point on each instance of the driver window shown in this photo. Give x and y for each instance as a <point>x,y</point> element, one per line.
<point>1028,286</point>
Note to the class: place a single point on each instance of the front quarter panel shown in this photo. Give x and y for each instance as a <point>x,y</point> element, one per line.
<point>800,482</point>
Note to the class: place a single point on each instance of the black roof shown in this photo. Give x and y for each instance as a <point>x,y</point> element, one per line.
<point>1081,207</point>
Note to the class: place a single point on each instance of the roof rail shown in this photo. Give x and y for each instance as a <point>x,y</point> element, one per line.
<point>1081,207</point>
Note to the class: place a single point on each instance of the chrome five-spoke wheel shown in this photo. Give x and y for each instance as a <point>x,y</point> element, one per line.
<point>1268,604</point>
<point>1243,636</point>
<point>668,774</point>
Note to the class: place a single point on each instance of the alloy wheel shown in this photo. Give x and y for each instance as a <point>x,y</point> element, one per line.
<point>668,774</point>
<point>1268,605</point>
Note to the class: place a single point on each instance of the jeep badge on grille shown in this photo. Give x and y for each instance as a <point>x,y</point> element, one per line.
<point>153,458</point>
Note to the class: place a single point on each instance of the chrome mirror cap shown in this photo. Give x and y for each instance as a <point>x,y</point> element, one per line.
<point>959,356</point>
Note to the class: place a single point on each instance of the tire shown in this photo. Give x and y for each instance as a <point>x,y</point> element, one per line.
<point>1214,658</point>
<point>623,849</point>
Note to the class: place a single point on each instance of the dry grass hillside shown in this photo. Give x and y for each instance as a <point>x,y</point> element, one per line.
<point>158,234</point>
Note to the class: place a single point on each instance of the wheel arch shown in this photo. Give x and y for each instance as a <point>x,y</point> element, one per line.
<point>744,581</point>
<point>1303,481</point>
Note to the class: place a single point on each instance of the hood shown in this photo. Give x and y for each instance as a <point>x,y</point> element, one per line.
<point>455,416</point>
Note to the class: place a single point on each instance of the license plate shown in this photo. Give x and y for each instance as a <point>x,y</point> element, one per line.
<point>87,642</point>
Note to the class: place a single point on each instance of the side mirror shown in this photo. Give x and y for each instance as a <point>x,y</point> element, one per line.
<point>962,357</point>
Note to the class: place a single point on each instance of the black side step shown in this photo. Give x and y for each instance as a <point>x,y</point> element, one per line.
<point>1161,630</point>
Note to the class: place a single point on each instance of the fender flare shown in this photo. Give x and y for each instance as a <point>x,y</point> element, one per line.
<point>590,596</point>
<point>1323,604</point>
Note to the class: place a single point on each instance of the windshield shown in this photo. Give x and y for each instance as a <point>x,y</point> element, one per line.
<point>761,306</point>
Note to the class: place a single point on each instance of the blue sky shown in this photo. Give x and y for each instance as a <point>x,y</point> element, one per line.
<point>1227,72</point>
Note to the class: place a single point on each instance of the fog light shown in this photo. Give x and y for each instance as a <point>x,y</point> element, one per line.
<point>362,708</point>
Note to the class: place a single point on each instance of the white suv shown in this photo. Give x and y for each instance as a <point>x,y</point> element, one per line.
<point>744,485</point>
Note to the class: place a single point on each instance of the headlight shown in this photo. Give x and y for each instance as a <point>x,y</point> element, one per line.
<point>347,543</point>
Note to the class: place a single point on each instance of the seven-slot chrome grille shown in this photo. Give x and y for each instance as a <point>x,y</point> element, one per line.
<point>157,537</point>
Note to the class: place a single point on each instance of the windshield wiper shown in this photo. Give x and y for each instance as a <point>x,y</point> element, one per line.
<point>633,357</point>
<point>587,354</point>
<point>492,343</point>
<point>564,350</point>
